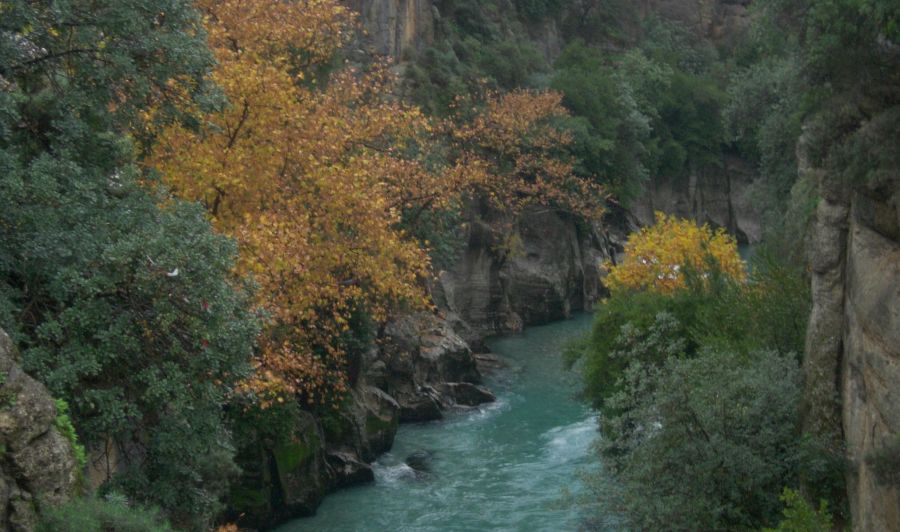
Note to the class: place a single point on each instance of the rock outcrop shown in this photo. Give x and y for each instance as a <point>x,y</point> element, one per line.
<point>37,464</point>
<point>420,368</point>
<point>852,360</point>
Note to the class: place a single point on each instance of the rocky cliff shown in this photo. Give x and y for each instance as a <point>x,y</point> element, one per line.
<point>853,344</point>
<point>395,27</point>
<point>37,465</point>
<point>540,267</point>
<point>721,198</point>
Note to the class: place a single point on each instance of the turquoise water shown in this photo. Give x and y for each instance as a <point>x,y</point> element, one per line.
<point>511,465</point>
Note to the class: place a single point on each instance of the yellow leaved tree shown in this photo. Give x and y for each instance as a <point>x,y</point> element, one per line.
<point>313,174</point>
<point>657,257</point>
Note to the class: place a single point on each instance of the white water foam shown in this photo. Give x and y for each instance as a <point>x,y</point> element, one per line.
<point>570,441</point>
<point>393,474</point>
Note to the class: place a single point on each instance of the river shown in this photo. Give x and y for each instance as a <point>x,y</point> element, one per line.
<point>510,465</point>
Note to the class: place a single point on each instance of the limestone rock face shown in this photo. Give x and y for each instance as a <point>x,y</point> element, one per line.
<point>871,365</point>
<point>395,27</point>
<point>852,360</point>
<point>721,199</point>
<point>37,465</point>
<point>422,352</point>
<point>543,268</point>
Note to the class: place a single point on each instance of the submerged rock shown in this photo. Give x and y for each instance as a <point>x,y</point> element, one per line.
<point>420,461</point>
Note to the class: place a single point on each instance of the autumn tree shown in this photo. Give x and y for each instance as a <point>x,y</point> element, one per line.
<point>657,257</point>
<point>303,172</point>
<point>322,179</point>
<point>513,153</point>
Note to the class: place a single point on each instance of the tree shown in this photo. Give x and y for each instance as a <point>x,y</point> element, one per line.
<point>512,152</point>
<point>120,297</point>
<point>322,178</point>
<point>309,175</point>
<point>659,257</point>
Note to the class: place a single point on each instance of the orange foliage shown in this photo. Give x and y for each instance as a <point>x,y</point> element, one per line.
<point>513,155</point>
<point>312,179</point>
<point>305,178</point>
<point>656,257</point>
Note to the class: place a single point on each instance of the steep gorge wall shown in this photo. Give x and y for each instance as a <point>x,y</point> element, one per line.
<point>721,198</point>
<point>541,267</point>
<point>853,343</point>
<point>395,28</point>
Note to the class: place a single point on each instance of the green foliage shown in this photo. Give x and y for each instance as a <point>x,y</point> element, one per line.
<point>799,516</point>
<point>91,514</point>
<point>653,110</point>
<point>838,77</point>
<point>698,392</point>
<point>537,10</point>
<point>769,312</point>
<point>478,45</point>
<point>704,443</point>
<point>885,462</point>
<point>120,298</point>
<point>609,129</point>
<point>763,117</point>
<point>65,427</point>
<point>639,325</point>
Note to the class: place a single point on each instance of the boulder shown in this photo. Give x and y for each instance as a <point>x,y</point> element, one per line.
<point>349,470</point>
<point>37,463</point>
<point>419,408</point>
<point>420,461</point>
<point>467,394</point>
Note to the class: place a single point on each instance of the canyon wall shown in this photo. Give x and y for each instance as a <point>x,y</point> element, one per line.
<point>395,28</point>
<point>721,197</point>
<point>852,360</point>
<point>540,267</point>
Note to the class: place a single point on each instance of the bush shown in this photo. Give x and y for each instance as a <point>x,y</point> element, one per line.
<point>799,516</point>
<point>91,514</point>
<point>704,443</point>
<point>698,390</point>
<point>665,256</point>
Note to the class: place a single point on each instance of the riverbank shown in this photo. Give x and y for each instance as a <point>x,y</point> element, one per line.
<point>506,465</point>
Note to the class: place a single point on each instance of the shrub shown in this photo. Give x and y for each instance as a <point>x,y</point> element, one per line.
<point>704,443</point>
<point>799,516</point>
<point>65,427</point>
<point>91,514</point>
<point>660,257</point>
